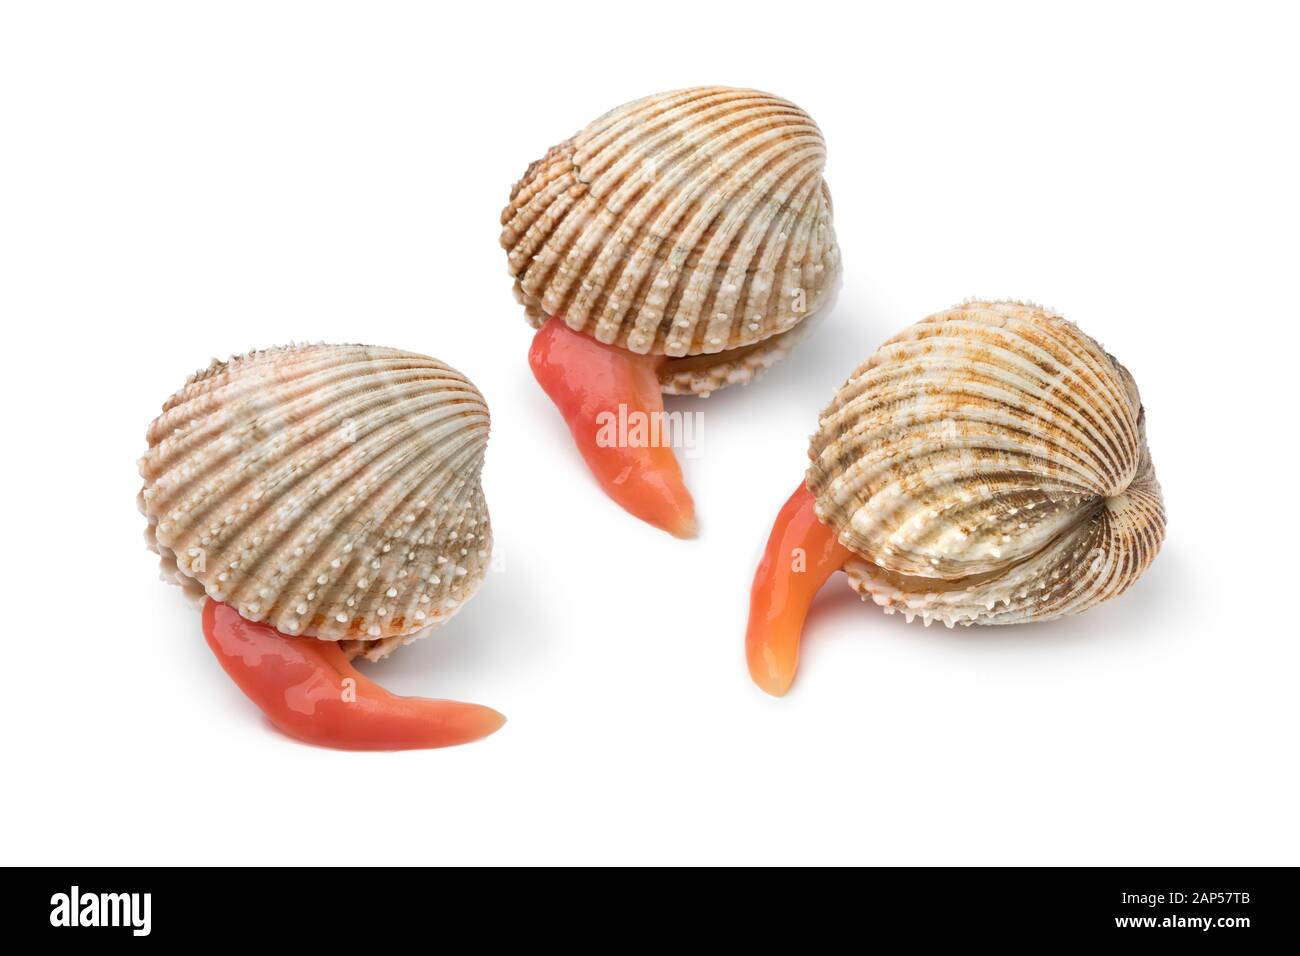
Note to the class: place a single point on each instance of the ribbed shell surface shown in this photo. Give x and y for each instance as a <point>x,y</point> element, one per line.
<point>989,465</point>
<point>687,223</point>
<point>329,490</point>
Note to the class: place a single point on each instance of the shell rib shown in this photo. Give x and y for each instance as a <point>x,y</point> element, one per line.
<point>329,490</point>
<point>989,464</point>
<point>689,223</point>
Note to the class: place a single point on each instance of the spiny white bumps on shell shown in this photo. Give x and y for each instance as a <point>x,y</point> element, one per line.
<point>989,464</point>
<point>688,223</point>
<point>328,490</point>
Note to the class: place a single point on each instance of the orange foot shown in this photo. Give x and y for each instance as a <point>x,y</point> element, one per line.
<point>802,553</point>
<point>595,386</point>
<point>309,690</point>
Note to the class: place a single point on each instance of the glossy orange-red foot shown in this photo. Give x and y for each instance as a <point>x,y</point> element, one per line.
<point>597,386</point>
<point>309,690</point>
<point>802,553</point>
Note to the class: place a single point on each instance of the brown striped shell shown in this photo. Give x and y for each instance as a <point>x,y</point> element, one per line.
<point>328,490</point>
<point>989,465</point>
<point>692,223</point>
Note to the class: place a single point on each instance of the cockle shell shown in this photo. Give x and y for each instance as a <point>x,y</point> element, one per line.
<point>989,465</point>
<point>692,223</point>
<point>331,491</point>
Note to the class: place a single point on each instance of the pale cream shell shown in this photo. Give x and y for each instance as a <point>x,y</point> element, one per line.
<point>690,223</point>
<point>989,465</point>
<point>329,490</point>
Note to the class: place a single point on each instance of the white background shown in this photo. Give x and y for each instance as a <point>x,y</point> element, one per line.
<point>181,182</point>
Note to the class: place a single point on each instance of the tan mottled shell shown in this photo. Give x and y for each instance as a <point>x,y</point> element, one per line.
<point>990,466</point>
<point>328,490</point>
<point>691,223</point>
